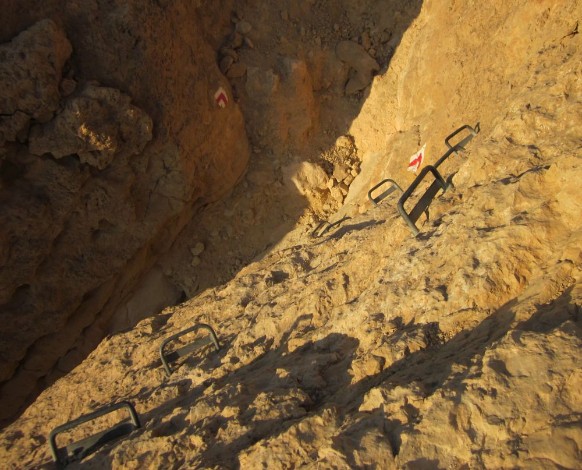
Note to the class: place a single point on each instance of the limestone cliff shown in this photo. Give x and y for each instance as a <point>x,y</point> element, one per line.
<point>364,346</point>
<point>110,141</point>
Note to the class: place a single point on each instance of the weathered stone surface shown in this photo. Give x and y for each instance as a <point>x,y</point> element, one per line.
<point>306,177</point>
<point>363,348</point>
<point>364,66</point>
<point>356,56</point>
<point>225,63</point>
<point>30,72</point>
<point>340,171</point>
<point>281,102</point>
<point>261,84</point>
<point>92,210</point>
<point>95,124</point>
<point>357,82</point>
<point>243,27</point>
<point>237,70</point>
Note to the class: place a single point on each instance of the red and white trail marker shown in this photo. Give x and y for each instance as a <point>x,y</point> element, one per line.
<point>416,160</point>
<point>221,98</point>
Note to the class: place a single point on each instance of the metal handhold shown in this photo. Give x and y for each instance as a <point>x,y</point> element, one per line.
<point>188,348</point>
<point>385,194</point>
<point>422,205</point>
<point>459,145</point>
<point>77,451</point>
<point>321,228</point>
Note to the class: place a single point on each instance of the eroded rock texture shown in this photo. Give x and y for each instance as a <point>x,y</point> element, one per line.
<point>346,344</point>
<point>30,73</point>
<point>95,124</point>
<point>104,157</point>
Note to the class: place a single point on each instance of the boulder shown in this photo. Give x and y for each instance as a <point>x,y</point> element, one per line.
<point>30,73</point>
<point>360,61</point>
<point>95,125</point>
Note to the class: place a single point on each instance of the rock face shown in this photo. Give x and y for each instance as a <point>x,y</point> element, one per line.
<point>360,61</point>
<point>282,105</point>
<point>360,347</point>
<point>97,181</point>
<point>95,124</point>
<point>30,73</point>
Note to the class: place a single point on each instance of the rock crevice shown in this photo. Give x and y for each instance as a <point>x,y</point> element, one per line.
<point>88,200</point>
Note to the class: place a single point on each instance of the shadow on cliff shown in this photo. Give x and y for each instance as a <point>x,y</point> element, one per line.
<point>266,205</point>
<point>431,370</point>
<point>275,210</point>
<point>281,387</point>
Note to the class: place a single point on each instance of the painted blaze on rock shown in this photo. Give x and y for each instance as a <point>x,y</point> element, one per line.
<point>221,98</point>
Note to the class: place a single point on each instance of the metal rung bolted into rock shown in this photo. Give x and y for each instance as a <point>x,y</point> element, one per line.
<point>439,182</point>
<point>394,187</point>
<point>422,205</point>
<point>77,451</point>
<point>324,227</point>
<point>168,358</point>
<point>459,145</point>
